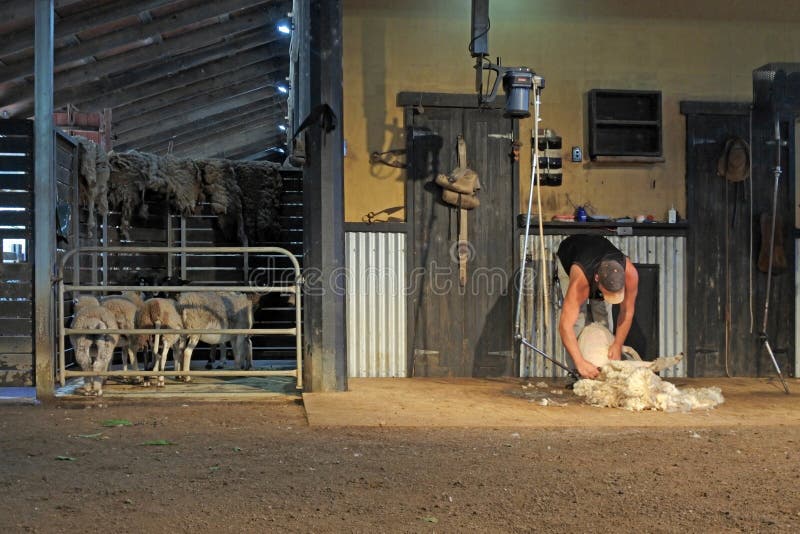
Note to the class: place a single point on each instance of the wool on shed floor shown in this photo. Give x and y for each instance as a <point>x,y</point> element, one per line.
<point>490,403</point>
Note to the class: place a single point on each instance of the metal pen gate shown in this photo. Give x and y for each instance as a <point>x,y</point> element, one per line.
<point>63,331</point>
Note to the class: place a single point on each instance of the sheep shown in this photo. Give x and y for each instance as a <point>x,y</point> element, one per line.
<point>222,310</point>
<point>93,352</point>
<point>155,313</point>
<point>124,308</point>
<point>633,385</point>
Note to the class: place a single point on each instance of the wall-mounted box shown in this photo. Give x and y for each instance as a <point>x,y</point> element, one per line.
<point>625,125</point>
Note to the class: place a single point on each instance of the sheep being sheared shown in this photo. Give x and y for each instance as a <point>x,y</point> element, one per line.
<point>93,352</point>
<point>157,313</point>
<point>633,385</point>
<point>222,310</point>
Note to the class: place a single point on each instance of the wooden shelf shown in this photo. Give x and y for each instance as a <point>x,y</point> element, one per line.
<point>625,125</point>
<point>628,159</point>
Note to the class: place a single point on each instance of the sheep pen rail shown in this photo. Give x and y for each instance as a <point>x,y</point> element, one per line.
<point>63,331</point>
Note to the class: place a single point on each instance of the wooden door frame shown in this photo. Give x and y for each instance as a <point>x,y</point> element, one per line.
<point>409,101</point>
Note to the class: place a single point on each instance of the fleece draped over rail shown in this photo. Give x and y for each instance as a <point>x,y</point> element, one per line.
<point>244,195</point>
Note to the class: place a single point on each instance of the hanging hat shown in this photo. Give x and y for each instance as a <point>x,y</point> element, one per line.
<point>734,163</point>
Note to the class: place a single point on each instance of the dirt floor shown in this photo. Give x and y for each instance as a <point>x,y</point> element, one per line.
<point>481,455</point>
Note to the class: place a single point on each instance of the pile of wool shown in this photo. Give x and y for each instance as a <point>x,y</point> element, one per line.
<point>635,386</point>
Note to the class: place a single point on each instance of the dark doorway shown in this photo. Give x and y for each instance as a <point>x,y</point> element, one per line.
<point>644,333</point>
<point>725,289</point>
<point>459,330</point>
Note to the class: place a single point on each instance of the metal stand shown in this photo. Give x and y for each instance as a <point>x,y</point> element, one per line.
<point>518,334</point>
<point>777,175</point>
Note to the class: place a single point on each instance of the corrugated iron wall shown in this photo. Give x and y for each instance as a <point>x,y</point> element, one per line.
<point>668,252</point>
<point>376,304</point>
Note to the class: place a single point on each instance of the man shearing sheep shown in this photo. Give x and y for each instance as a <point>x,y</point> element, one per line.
<point>602,275</point>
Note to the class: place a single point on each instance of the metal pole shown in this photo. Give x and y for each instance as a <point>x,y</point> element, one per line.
<point>777,174</point>
<point>44,200</point>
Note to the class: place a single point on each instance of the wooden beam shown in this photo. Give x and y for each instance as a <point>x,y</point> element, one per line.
<point>248,32</point>
<point>204,91</point>
<point>269,117</point>
<point>211,141</point>
<point>132,128</point>
<point>141,32</point>
<point>323,206</point>
<point>269,154</point>
<point>259,145</point>
<point>176,121</point>
<point>137,84</point>
<point>190,130</point>
<point>68,26</point>
<point>267,56</point>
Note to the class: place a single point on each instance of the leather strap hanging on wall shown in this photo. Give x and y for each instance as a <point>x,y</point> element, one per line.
<point>459,189</point>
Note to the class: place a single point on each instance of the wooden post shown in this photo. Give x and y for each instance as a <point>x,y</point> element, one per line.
<point>323,207</point>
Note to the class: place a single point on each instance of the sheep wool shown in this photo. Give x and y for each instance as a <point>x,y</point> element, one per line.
<point>634,385</point>
<point>626,385</point>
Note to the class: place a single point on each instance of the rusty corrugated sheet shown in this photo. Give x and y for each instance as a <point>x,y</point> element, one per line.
<point>376,304</point>
<point>669,252</point>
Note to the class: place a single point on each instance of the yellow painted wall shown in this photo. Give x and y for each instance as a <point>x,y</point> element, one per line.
<point>688,49</point>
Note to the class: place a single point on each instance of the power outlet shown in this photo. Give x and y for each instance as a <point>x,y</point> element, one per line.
<point>624,230</point>
<point>577,154</point>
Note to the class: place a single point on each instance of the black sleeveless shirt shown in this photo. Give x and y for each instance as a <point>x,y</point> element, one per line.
<point>587,252</point>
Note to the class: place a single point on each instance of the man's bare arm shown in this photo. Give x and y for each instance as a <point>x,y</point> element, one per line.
<point>627,309</point>
<point>577,293</point>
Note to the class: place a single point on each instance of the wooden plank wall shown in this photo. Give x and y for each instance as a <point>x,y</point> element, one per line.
<point>16,273</point>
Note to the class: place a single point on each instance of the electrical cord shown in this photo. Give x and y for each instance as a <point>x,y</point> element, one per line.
<point>484,32</point>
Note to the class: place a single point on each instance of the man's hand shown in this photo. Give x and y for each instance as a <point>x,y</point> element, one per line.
<point>615,352</point>
<point>587,370</point>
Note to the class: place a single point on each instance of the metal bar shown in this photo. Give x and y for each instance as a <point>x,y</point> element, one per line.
<point>188,331</point>
<point>188,250</point>
<point>44,199</point>
<point>291,372</point>
<point>574,374</point>
<point>62,364</point>
<point>170,242</point>
<point>104,255</point>
<point>183,247</point>
<point>190,288</point>
<point>298,321</point>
